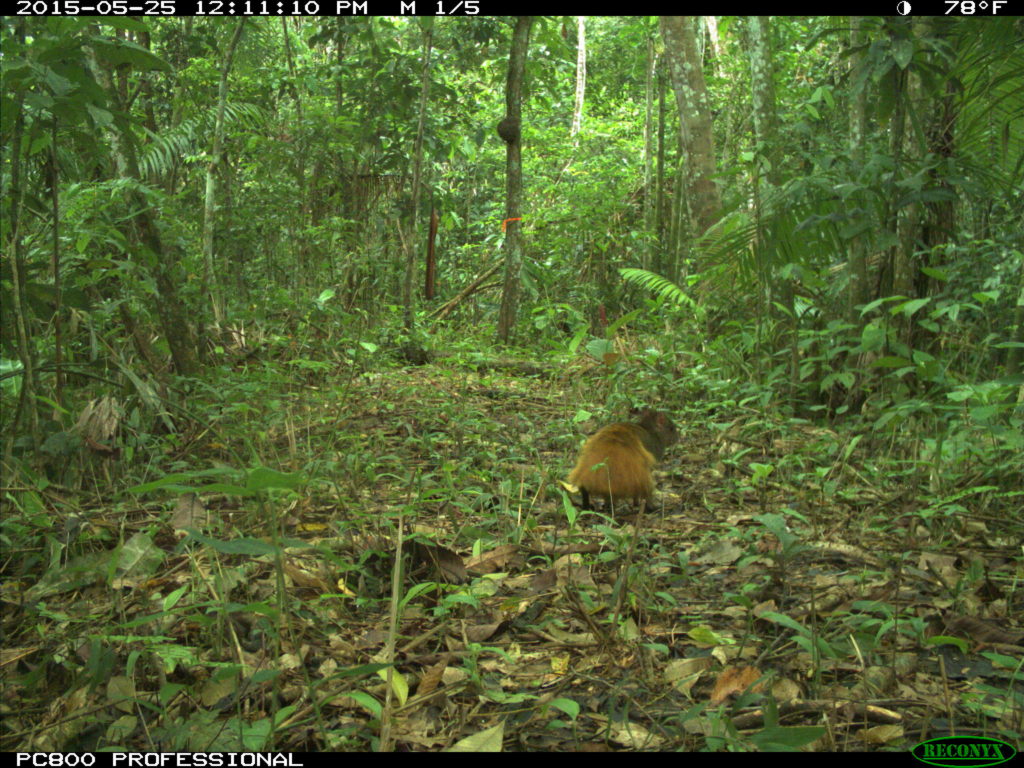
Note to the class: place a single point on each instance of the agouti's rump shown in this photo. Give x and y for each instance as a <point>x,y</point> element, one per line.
<point>616,462</point>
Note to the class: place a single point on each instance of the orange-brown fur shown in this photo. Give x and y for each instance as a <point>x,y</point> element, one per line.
<point>616,462</point>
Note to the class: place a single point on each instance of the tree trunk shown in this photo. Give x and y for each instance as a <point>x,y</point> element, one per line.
<point>58,291</point>
<point>169,308</point>
<point>859,292</point>
<point>27,404</point>
<point>659,204</point>
<point>652,63</point>
<point>581,77</point>
<point>410,243</point>
<point>762,92</point>
<point>211,284</point>
<point>510,132</point>
<point>696,139</point>
<point>298,159</point>
<point>711,24</point>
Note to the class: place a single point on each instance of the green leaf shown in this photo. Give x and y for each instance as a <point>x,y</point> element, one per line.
<point>936,274</point>
<point>172,599</point>
<point>325,295</point>
<point>283,714</point>
<point>399,685</point>
<point>367,702</point>
<point>416,590</point>
<point>484,741</point>
<point>984,297</point>
<point>262,478</point>
<point>242,546</point>
<point>568,706</point>
<point>581,334</point>
<point>101,117</point>
<point>122,22</point>
<point>598,348</point>
<point>879,302</point>
<point>786,621</point>
<point>908,308</point>
<point>706,635</point>
<point>959,642</point>
<point>850,446</point>
<point>626,318</point>
<point>890,361</point>
<point>903,52</point>
<point>786,739</point>
<point>118,51</point>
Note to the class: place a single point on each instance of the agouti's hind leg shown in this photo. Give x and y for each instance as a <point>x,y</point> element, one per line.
<point>586,500</point>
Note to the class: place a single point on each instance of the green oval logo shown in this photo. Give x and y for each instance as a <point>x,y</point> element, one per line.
<point>963,751</point>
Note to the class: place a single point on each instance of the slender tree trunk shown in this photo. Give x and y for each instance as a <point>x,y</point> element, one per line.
<point>178,99</point>
<point>581,77</point>
<point>408,293</point>
<point>168,305</point>
<point>1016,334</point>
<point>899,221</point>
<point>58,291</point>
<point>711,24</point>
<point>859,291</point>
<point>907,218</point>
<point>299,156</point>
<point>509,129</point>
<point>696,139</point>
<point>211,284</point>
<point>337,164</point>
<point>766,168</point>
<point>27,404</point>
<point>762,91</point>
<point>652,63</point>
<point>659,204</point>
<point>941,118</point>
<point>678,223</point>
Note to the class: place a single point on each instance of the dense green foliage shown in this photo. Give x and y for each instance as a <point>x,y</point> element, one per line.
<point>205,230</point>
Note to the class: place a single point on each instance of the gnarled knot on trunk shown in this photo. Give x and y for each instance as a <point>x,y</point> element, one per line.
<point>508,129</point>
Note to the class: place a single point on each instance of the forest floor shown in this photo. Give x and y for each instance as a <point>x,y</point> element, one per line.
<point>204,606</point>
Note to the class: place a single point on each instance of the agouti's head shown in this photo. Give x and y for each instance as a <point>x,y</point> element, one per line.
<point>660,427</point>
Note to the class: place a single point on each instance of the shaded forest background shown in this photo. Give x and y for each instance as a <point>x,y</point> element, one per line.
<point>271,279</point>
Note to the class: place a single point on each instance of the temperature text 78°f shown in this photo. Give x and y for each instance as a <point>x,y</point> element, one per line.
<point>974,7</point>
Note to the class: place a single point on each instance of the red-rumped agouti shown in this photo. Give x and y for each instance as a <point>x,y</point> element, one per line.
<point>616,461</point>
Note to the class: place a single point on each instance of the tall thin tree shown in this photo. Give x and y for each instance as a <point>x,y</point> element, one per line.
<point>859,291</point>
<point>581,77</point>
<point>510,131</point>
<point>417,171</point>
<point>695,135</point>
<point>169,306</point>
<point>210,281</point>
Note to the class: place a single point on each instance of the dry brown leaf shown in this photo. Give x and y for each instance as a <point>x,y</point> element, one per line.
<point>480,632</point>
<point>734,680</point>
<point>881,734</point>
<point>499,559</point>
<point>981,631</point>
<point>432,677</point>
<point>187,513</point>
<point>99,420</point>
<point>303,578</point>
<point>448,564</point>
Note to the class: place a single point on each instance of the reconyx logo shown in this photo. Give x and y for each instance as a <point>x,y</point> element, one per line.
<point>963,752</point>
